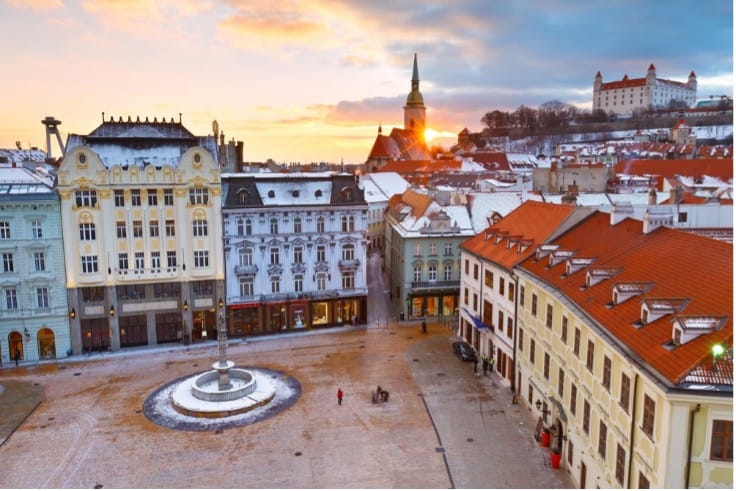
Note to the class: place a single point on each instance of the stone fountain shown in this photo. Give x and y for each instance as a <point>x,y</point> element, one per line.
<point>224,390</point>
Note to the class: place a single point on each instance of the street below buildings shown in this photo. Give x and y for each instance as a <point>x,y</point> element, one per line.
<point>443,426</point>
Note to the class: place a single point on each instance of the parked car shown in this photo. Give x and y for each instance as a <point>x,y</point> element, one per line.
<point>464,351</point>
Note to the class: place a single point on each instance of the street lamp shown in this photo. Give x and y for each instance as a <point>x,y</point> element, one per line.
<point>27,334</point>
<point>544,410</point>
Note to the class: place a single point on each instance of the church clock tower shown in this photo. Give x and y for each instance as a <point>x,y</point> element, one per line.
<point>414,110</point>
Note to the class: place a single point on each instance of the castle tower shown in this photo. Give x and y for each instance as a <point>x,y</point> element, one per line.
<point>414,110</point>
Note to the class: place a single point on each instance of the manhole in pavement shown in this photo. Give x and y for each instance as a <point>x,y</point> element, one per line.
<point>415,359</point>
<point>440,374</point>
<point>470,440</point>
<point>298,454</point>
<point>77,374</point>
<point>218,431</point>
<point>439,449</point>
<point>98,486</point>
<point>51,418</point>
<point>361,346</point>
<point>139,411</point>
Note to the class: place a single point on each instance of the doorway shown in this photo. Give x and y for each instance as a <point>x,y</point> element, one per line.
<point>46,344</point>
<point>15,346</point>
<point>583,472</point>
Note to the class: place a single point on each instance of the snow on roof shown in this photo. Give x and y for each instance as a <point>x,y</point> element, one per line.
<point>19,181</point>
<point>281,193</point>
<point>483,205</point>
<point>388,183</point>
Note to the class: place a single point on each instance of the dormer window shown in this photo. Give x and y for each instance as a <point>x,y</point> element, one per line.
<point>596,275</point>
<point>544,250</point>
<point>575,264</point>
<point>687,328</point>
<point>295,194</point>
<point>625,291</point>
<point>655,308</point>
<point>272,194</point>
<point>318,193</point>
<point>242,196</point>
<point>347,194</point>
<point>557,257</point>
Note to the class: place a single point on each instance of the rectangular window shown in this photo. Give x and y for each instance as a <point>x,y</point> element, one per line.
<point>606,382</point>
<point>8,262</point>
<point>521,340</point>
<point>298,255</point>
<point>168,197</point>
<point>274,224</point>
<point>475,271</point>
<point>348,280</point>
<point>570,452</point>
<point>36,230</point>
<point>119,198</point>
<point>532,345</point>
<point>87,231</point>
<point>548,321</point>
<point>139,261</point>
<point>246,287</point>
<point>467,267</point>
<point>512,291</point>
<point>153,228</point>
<point>563,334</point>
<point>623,400</point>
<point>170,259</point>
<point>560,382</point>
<point>199,196</point>
<point>573,399</point>
<point>155,261</point>
<point>137,228</point>
<point>11,299</point>
<point>298,283</point>
<point>274,255</point>
<point>643,481</point>
<point>121,230</point>
<point>576,343</point>
<point>432,249</point>
<point>170,228</point>
<point>123,261</point>
<point>590,357</point>
<point>417,249</point>
<point>620,463</point>
<point>89,264</point>
<point>546,365</point>
<point>201,259</point>
<point>448,272</point>
<point>647,423</point>
<point>297,225</point>
<point>448,248</point>
<point>721,440</point>
<point>152,197</point>
<point>602,439</point>
<point>522,292</point>
<point>86,198</point>
<point>509,326</point>
<point>42,297</point>
<point>135,197</point>
<point>321,282</point>
<point>489,279</point>
<point>39,261</point>
<point>501,287</point>
<point>534,304</point>
<point>199,228</point>
<point>432,273</point>
<point>320,253</point>
<point>586,416</point>
<point>500,321</point>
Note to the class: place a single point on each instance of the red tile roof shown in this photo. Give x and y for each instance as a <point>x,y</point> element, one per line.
<point>514,237</point>
<point>720,168</point>
<point>676,263</point>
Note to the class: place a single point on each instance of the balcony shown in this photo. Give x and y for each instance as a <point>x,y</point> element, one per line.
<point>429,285</point>
<point>246,269</point>
<point>348,264</point>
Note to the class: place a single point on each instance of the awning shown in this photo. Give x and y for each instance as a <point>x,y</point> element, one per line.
<point>477,323</point>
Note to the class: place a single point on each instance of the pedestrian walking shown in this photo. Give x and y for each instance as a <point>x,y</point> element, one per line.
<point>485,364</point>
<point>490,363</point>
<point>339,397</point>
<point>424,327</point>
<point>17,356</point>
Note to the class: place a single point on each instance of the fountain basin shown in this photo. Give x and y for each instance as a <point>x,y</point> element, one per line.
<point>199,395</point>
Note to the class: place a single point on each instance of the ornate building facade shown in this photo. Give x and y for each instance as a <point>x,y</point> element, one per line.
<point>295,251</point>
<point>140,208</point>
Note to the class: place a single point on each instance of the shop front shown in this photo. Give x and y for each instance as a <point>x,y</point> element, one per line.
<point>432,304</point>
<point>337,312</point>
<point>245,320</point>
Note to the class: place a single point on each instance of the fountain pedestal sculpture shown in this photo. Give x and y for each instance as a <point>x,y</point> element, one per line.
<point>224,390</point>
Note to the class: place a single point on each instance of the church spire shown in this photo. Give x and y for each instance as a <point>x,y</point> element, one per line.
<point>414,110</point>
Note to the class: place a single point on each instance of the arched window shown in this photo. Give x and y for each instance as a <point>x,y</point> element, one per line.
<point>347,194</point>
<point>242,196</point>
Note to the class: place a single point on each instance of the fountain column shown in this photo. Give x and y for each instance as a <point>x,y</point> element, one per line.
<point>222,367</point>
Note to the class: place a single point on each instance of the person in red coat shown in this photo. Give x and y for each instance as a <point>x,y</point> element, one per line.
<point>339,397</point>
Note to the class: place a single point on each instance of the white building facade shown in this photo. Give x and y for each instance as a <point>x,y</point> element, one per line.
<point>295,251</point>
<point>140,207</point>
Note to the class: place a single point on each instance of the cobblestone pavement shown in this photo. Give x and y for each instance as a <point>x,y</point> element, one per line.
<point>442,427</point>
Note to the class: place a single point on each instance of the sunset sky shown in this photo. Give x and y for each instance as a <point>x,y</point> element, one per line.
<point>306,81</point>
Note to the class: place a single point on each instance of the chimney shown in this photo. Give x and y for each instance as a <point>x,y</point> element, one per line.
<point>620,211</point>
<point>652,197</point>
<point>655,217</point>
<point>676,194</point>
